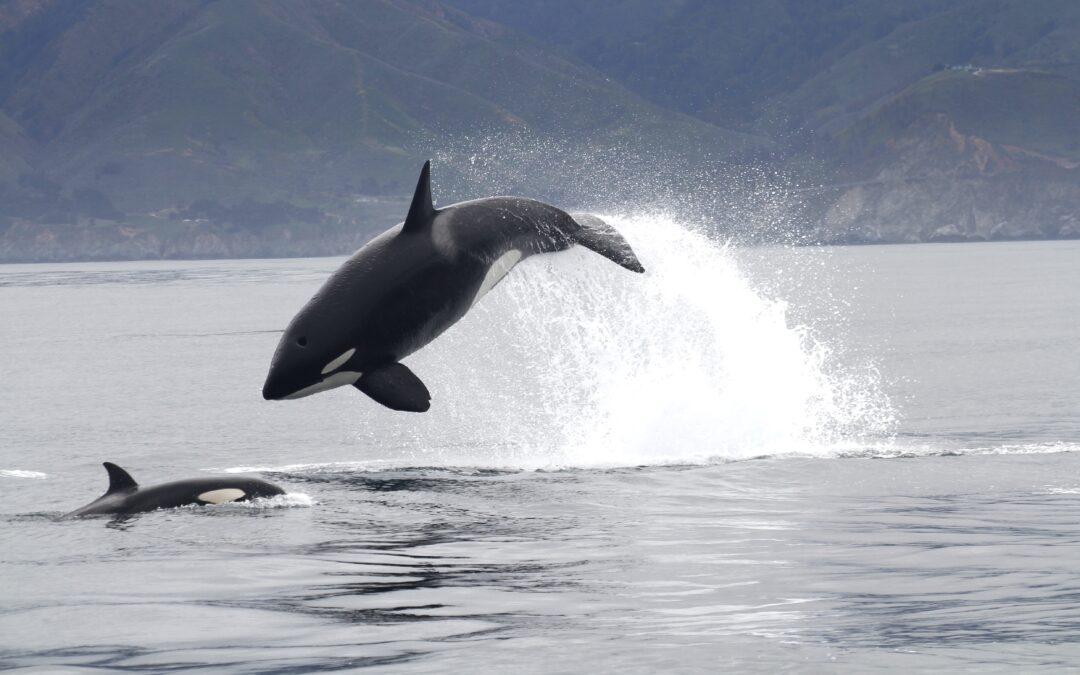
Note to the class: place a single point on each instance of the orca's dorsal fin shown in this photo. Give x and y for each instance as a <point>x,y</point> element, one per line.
<point>119,479</point>
<point>421,211</point>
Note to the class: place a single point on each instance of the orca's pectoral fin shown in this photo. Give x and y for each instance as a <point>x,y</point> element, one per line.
<point>596,235</point>
<point>396,387</point>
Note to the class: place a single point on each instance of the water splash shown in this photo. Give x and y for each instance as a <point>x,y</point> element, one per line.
<point>290,500</point>
<point>735,199</point>
<point>573,361</point>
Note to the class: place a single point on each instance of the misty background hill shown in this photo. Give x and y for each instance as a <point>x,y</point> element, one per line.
<point>292,127</point>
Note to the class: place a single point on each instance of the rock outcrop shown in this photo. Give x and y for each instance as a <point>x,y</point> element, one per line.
<point>940,184</point>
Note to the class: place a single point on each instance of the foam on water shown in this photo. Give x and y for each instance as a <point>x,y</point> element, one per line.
<point>289,500</point>
<point>573,361</point>
<point>895,448</point>
<point>20,473</point>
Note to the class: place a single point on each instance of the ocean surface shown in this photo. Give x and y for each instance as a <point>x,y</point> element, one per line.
<point>768,460</point>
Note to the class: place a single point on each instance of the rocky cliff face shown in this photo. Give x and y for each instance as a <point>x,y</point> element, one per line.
<point>937,183</point>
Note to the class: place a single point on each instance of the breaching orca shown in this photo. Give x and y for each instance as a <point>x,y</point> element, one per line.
<point>125,496</point>
<point>409,284</point>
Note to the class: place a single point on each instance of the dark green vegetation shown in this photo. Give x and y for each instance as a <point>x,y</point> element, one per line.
<point>278,127</point>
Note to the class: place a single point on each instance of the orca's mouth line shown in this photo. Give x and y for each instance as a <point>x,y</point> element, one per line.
<point>331,381</point>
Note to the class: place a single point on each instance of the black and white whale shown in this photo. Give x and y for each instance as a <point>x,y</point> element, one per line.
<point>125,496</point>
<point>409,284</point>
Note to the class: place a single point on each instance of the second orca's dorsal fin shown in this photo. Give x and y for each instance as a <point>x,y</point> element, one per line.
<point>421,211</point>
<point>119,479</point>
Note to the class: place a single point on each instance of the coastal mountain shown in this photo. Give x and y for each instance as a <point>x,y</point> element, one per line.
<point>963,154</point>
<point>781,66</point>
<point>920,120</point>
<point>160,114</point>
<point>285,127</point>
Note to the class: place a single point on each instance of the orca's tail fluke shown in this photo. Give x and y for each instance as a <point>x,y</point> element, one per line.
<point>596,235</point>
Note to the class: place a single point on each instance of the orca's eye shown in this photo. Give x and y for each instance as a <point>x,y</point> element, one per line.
<point>302,341</point>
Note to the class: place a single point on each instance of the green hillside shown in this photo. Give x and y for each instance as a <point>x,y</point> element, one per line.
<point>315,102</point>
<point>903,121</point>
<point>1030,109</point>
<point>277,127</point>
<point>16,150</point>
<point>782,65</point>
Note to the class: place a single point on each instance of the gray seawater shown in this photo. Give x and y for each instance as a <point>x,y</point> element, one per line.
<point>752,460</point>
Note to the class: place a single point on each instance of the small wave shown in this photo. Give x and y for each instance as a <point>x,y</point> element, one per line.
<point>898,450</point>
<point>19,473</point>
<point>311,467</point>
<point>882,450</point>
<point>376,466</point>
<point>289,500</point>
<point>1027,449</point>
<point>929,449</point>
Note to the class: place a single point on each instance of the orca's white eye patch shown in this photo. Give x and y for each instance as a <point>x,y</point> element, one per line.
<point>221,496</point>
<point>338,362</point>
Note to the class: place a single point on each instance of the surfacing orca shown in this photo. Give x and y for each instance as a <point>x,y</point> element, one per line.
<point>409,284</point>
<point>125,496</point>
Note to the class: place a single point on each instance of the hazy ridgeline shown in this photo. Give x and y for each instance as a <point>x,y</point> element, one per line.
<point>191,129</point>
